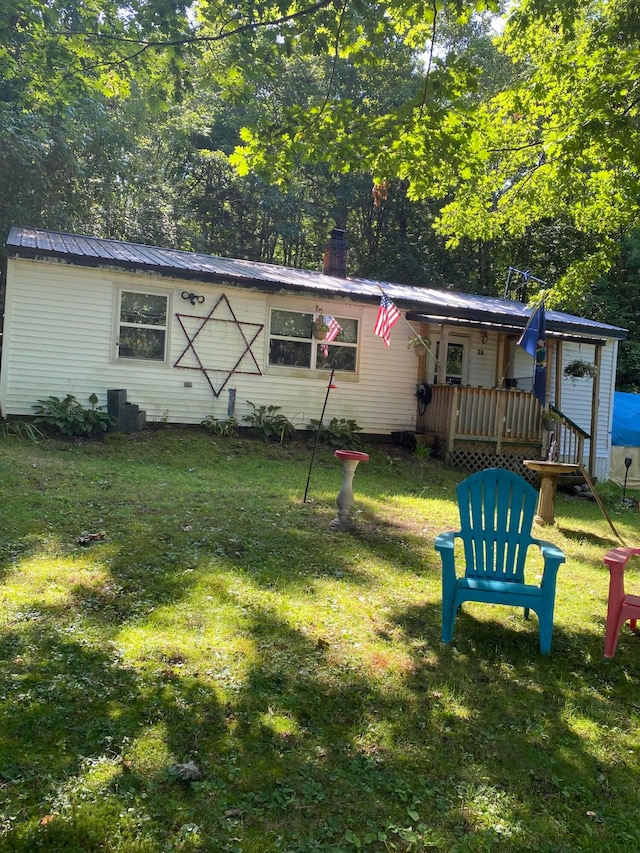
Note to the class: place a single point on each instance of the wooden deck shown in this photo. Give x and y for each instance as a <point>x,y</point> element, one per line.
<point>478,427</point>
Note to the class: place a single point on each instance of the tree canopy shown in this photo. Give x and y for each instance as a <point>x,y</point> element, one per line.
<point>561,142</point>
<point>250,128</point>
<point>556,141</point>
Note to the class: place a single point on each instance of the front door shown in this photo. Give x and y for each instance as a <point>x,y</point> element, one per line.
<point>453,369</point>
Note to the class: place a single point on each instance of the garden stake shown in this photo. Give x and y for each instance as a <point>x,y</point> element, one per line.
<point>315,444</point>
<point>627,464</point>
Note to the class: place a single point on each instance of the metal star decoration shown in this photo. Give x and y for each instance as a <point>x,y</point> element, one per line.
<point>227,347</point>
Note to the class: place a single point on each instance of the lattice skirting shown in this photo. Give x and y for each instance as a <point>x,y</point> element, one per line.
<point>478,458</point>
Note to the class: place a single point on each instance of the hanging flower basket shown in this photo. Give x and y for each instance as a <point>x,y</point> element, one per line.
<point>578,369</point>
<point>417,344</point>
<point>319,329</point>
<point>550,420</point>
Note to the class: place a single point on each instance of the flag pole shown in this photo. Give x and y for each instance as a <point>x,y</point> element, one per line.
<point>598,500</point>
<point>528,323</point>
<point>533,312</point>
<point>330,385</point>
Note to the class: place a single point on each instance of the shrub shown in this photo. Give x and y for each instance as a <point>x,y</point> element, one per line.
<point>339,432</point>
<point>423,451</point>
<point>69,417</point>
<point>22,429</point>
<point>228,427</point>
<point>267,421</point>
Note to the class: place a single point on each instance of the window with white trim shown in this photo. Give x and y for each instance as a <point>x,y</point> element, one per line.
<point>142,325</point>
<point>292,344</point>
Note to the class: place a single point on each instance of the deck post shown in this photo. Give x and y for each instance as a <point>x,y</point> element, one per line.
<point>422,372</point>
<point>595,405</point>
<point>452,426</point>
<point>499,424</point>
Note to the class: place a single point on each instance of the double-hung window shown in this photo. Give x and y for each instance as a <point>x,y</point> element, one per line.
<point>142,321</point>
<point>292,343</point>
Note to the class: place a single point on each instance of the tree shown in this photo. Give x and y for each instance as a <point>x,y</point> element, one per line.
<point>125,117</point>
<point>617,295</point>
<point>549,145</point>
<point>319,67</point>
<point>53,51</point>
<point>69,110</point>
<point>562,143</point>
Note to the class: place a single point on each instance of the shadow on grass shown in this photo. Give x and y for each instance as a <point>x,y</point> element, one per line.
<point>317,742</point>
<point>310,749</point>
<point>585,536</point>
<point>312,744</point>
<point>517,708</point>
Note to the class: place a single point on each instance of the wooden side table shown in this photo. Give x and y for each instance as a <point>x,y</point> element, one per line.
<point>549,473</point>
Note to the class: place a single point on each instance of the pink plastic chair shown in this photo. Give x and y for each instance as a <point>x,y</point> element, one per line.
<point>621,607</point>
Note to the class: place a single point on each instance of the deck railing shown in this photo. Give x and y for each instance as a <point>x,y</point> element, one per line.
<point>499,417</point>
<point>567,440</point>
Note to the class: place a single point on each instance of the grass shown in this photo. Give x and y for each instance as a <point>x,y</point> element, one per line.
<point>220,621</point>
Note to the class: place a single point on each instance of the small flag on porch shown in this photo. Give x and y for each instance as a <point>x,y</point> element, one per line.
<point>533,341</point>
<point>388,314</point>
<point>333,330</point>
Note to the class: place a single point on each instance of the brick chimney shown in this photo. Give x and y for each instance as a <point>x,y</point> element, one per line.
<point>335,254</point>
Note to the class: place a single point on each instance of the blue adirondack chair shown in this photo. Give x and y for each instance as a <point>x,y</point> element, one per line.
<point>496,514</point>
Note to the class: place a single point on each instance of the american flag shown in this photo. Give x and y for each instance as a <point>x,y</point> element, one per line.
<point>332,333</point>
<point>388,314</point>
<point>334,328</point>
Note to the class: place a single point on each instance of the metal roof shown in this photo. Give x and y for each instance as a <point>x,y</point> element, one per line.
<point>422,304</point>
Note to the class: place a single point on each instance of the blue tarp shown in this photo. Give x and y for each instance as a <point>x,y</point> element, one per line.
<point>625,428</point>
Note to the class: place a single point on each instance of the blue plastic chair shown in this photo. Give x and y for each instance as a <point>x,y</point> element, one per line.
<point>496,514</point>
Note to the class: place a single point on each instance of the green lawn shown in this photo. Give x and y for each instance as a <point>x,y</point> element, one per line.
<point>219,621</point>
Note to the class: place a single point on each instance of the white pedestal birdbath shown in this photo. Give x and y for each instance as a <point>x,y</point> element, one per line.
<point>350,459</point>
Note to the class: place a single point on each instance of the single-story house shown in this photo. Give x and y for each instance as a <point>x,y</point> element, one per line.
<point>189,335</point>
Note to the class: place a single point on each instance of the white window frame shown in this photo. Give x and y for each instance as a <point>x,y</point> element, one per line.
<point>147,291</point>
<point>312,370</point>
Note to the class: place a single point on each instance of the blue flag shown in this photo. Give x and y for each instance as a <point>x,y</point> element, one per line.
<point>533,341</point>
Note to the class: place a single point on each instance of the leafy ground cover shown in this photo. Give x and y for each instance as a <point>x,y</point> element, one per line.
<point>212,617</point>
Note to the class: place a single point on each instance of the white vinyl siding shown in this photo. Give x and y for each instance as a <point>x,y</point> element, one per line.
<point>62,324</point>
<point>482,359</point>
<point>60,335</point>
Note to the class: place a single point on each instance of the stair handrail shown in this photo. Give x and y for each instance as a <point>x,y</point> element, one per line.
<point>567,420</point>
